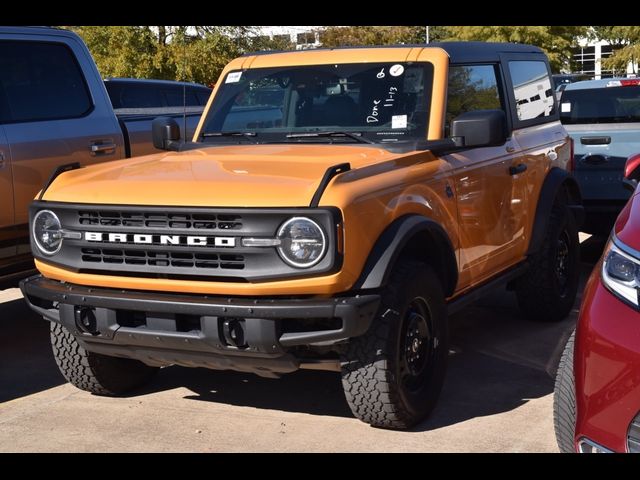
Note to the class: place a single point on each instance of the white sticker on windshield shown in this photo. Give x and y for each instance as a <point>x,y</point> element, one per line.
<point>399,121</point>
<point>565,107</point>
<point>233,77</point>
<point>396,70</point>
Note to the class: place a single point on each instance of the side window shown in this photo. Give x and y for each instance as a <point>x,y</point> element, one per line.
<point>40,81</point>
<point>532,89</point>
<point>176,96</point>
<point>472,87</point>
<point>141,96</point>
<point>203,96</point>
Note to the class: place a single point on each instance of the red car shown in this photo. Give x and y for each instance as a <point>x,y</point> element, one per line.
<point>597,392</point>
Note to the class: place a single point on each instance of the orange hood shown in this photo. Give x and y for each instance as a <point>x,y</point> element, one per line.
<point>222,176</point>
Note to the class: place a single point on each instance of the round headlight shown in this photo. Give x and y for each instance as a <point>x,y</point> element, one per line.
<point>302,242</point>
<point>47,232</point>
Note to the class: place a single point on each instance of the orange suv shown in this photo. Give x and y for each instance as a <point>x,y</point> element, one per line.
<point>333,207</point>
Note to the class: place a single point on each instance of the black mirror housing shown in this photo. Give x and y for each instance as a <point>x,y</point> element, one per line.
<point>165,132</point>
<point>480,128</point>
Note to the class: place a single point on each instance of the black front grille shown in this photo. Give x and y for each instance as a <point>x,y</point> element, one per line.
<point>171,220</point>
<point>633,437</point>
<point>182,243</point>
<point>162,259</point>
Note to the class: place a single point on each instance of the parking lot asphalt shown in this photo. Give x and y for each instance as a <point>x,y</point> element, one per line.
<point>497,397</point>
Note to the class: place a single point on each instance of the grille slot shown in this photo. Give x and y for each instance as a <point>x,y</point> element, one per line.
<point>183,221</point>
<point>163,259</point>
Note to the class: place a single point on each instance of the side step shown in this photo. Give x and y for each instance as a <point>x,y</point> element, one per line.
<point>458,303</point>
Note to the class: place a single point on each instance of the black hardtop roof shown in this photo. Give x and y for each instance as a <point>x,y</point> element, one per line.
<point>462,52</point>
<point>459,52</point>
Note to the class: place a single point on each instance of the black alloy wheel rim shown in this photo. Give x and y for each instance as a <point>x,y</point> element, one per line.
<point>563,261</point>
<point>416,346</point>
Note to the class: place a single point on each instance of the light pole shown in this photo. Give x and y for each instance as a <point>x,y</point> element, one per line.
<point>427,33</point>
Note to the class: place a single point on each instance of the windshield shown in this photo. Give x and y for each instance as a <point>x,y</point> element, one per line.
<point>602,105</point>
<point>381,102</point>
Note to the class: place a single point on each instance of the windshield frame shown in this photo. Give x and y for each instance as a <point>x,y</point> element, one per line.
<point>419,93</point>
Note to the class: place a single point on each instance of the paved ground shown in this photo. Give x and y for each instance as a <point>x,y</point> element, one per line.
<point>497,397</point>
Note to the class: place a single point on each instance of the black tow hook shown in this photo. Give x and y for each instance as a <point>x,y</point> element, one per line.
<point>85,318</point>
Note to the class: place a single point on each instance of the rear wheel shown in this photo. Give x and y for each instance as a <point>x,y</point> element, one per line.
<point>93,372</point>
<point>393,374</point>
<point>547,291</point>
<point>564,400</point>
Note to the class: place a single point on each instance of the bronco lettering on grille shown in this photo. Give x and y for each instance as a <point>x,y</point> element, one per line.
<point>149,239</point>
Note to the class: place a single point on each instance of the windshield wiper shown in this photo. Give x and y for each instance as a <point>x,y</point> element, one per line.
<point>229,134</point>
<point>355,136</point>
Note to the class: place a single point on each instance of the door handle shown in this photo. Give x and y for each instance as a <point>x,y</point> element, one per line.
<point>595,140</point>
<point>510,149</point>
<point>103,148</point>
<point>517,169</point>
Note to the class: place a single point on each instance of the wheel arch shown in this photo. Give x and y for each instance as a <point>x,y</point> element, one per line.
<point>556,181</point>
<point>411,236</point>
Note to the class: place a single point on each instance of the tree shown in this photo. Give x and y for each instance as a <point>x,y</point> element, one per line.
<point>377,35</point>
<point>556,41</point>
<point>626,43</point>
<point>196,54</point>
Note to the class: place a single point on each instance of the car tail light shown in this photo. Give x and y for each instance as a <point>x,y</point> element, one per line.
<point>629,82</point>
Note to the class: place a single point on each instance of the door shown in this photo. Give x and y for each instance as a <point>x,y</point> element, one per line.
<point>57,114</point>
<point>490,190</point>
<point>7,234</point>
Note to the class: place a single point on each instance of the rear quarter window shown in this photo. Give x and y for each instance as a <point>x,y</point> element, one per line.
<point>532,89</point>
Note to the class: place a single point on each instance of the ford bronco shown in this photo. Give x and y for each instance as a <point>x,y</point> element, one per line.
<point>332,208</point>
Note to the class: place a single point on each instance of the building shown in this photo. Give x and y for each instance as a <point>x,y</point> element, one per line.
<point>588,60</point>
<point>302,37</point>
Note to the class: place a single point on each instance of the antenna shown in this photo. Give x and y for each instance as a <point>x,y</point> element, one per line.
<point>184,85</point>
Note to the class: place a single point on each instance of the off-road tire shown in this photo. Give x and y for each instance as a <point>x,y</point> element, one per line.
<point>93,372</point>
<point>564,400</point>
<point>372,363</point>
<point>541,295</point>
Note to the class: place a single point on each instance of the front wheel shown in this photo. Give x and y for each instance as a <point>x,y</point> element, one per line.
<point>392,375</point>
<point>93,372</point>
<point>564,400</point>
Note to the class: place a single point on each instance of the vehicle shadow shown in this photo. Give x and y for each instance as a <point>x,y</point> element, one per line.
<point>26,361</point>
<point>498,362</point>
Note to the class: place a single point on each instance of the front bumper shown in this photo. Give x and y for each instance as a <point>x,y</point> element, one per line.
<point>607,369</point>
<point>197,330</point>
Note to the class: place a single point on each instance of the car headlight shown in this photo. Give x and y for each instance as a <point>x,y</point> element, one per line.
<point>47,232</point>
<point>302,242</point>
<point>621,273</point>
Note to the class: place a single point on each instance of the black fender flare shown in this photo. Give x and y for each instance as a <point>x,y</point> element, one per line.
<point>393,241</point>
<point>555,180</point>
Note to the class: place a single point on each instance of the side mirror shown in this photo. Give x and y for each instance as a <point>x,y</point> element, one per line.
<point>481,128</point>
<point>632,172</point>
<point>165,133</point>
